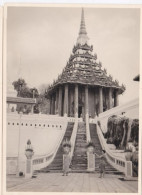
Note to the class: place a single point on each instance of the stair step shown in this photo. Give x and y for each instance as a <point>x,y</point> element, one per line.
<point>57,163</point>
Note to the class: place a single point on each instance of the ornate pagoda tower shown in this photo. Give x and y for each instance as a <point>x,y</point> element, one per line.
<point>83,87</point>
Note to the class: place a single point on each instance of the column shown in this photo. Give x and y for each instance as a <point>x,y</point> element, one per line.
<point>60,101</point>
<point>100,100</point>
<point>110,98</point>
<point>32,108</point>
<point>86,100</point>
<point>50,105</point>
<point>116,100</point>
<point>56,105</point>
<point>76,102</point>
<point>66,101</point>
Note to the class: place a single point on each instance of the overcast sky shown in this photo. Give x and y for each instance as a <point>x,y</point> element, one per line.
<point>40,41</point>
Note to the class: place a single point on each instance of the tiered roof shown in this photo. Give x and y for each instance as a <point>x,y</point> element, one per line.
<point>83,68</point>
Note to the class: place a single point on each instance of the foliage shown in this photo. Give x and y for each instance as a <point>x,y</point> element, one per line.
<point>24,91</point>
<point>19,84</point>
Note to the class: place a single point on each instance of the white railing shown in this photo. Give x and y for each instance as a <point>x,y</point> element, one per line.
<point>73,137</point>
<point>117,162</point>
<point>44,160</point>
<point>87,128</point>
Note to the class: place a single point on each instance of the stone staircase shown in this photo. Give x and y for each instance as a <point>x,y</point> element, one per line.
<point>98,150</point>
<point>79,159</point>
<point>57,163</point>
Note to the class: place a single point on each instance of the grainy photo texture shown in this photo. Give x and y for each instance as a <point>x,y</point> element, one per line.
<point>72,121</point>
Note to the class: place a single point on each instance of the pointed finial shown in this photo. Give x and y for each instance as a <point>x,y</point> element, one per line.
<point>82,38</point>
<point>82,24</point>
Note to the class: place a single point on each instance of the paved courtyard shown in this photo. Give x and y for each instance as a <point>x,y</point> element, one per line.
<point>75,182</point>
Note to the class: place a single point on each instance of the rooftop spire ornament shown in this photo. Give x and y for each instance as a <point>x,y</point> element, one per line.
<point>82,38</point>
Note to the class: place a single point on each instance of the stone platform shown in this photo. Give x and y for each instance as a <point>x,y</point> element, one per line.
<point>75,182</point>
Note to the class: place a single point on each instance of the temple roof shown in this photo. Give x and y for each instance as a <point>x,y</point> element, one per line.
<point>83,67</point>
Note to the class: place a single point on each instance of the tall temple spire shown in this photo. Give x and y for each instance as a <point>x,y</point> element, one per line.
<point>82,25</point>
<point>82,38</point>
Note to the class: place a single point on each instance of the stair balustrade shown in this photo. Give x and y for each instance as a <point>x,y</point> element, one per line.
<point>117,162</point>
<point>87,128</point>
<point>44,160</point>
<point>73,137</point>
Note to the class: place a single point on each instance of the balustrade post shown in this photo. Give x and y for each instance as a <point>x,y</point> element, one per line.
<point>29,163</point>
<point>128,167</point>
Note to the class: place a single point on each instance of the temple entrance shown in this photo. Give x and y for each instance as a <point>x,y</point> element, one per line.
<point>79,111</point>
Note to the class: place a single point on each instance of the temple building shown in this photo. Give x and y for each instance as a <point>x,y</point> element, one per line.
<point>83,87</point>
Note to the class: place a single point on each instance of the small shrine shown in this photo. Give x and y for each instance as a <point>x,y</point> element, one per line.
<point>13,100</point>
<point>83,87</point>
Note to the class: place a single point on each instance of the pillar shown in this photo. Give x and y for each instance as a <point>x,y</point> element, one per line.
<point>53,104</point>
<point>32,108</point>
<point>109,98</point>
<point>100,100</point>
<point>50,105</point>
<point>66,101</point>
<point>116,100</point>
<point>56,104</point>
<point>76,102</point>
<point>86,100</point>
<point>60,101</point>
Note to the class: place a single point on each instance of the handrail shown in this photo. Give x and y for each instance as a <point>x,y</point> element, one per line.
<point>116,161</point>
<point>87,128</point>
<point>45,160</point>
<point>73,137</point>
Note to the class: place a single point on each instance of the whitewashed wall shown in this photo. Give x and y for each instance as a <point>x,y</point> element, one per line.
<point>44,131</point>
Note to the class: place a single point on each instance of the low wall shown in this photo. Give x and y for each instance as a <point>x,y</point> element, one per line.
<point>44,131</point>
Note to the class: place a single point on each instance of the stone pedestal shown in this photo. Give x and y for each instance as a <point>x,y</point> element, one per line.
<point>91,161</point>
<point>29,154</point>
<point>29,170</point>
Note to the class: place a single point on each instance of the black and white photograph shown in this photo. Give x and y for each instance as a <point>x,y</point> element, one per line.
<point>72,77</point>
